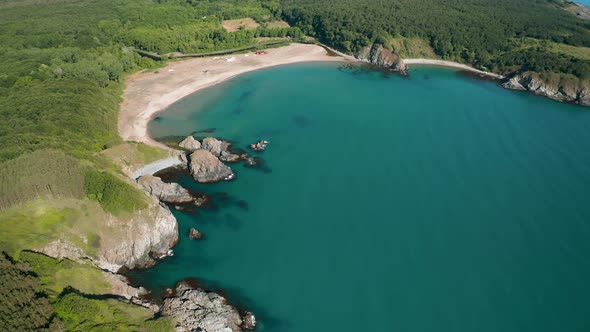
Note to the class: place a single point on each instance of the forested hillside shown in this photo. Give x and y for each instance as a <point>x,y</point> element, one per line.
<point>501,35</point>
<point>63,61</point>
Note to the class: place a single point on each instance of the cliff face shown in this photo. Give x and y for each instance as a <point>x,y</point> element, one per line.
<point>382,57</point>
<point>130,241</point>
<point>528,81</point>
<point>148,234</point>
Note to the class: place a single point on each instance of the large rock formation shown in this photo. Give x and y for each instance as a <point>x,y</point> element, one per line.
<point>215,146</point>
<point>205,167</point>
<point>561,91</point>
<point>199,310</point>
<point>190,143</point>
<point>129,241</point>
<point>382,57</point>
<point>147,234</point>
<point>165,192</point>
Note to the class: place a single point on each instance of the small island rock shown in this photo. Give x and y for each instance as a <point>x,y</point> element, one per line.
<point>165,192</point>
<point>195,234</point>
<point>205,167</point>
<point>190,143</point>
<point>259,146</point>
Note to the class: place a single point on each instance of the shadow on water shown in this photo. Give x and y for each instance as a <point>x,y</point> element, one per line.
<point>301,121</point>
<point>204,131</point>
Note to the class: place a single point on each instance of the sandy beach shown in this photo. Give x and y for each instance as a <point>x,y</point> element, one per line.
<point>450,64</point>
<point>147,92</point>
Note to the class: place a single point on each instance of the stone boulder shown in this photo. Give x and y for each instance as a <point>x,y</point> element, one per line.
<point>205,167</point>
<point>199,310</point>
<point>190,143</point>
<point>194,234</point>
<point>215,146</point>
<point>229,157</point>
<point>165,192</point>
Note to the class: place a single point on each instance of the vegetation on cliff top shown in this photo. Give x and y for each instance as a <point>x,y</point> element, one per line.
<point>35,297</point>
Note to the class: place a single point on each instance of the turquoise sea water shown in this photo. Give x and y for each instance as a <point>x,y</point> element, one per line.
<point>437,202</point>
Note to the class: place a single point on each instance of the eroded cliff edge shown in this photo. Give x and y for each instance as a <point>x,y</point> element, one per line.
<point>557,89</point>
<point>130,242</point>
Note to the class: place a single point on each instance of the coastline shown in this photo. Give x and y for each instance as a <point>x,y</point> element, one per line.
<point>450,64</point>
<point>149,92</point>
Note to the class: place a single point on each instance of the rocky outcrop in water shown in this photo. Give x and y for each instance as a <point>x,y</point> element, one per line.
<point>229,157</point>
<point>259,146</point>
<point>195,309</point>
<point>205,167</point>
<point>215,146</point>
<point>194,234</point>
<point>561,91</point>
<point>165,192</point>
<point>382,57</point>
<point>190,143</point>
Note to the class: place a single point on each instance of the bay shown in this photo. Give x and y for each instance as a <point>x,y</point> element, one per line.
<point>437,202</point>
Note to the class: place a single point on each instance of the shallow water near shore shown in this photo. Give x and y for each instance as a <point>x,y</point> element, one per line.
<point>436,202</point>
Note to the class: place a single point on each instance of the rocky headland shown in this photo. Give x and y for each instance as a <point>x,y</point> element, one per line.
<point>132,242</point>
<point>195,309</point>
<point>382,57</point>
<point>559,90</point>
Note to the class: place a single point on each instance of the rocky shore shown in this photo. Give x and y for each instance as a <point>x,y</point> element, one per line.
<point>195,309</point>
<point>192,307</point>
<point>560,91</point>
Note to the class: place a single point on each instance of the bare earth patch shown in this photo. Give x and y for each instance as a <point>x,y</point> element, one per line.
<point>234,25</point>
<point>277,24</point>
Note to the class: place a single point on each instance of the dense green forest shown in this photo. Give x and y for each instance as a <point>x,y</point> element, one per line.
<point>479,32</point>
<point>64,61</point>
